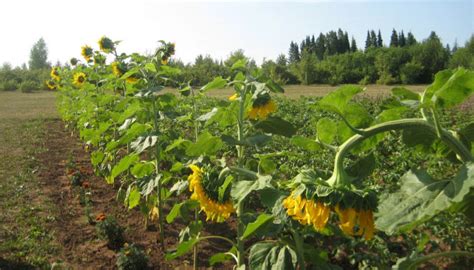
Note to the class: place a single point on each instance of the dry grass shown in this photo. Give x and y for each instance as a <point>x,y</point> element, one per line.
<point>296,91</point>
<point>25,106</point>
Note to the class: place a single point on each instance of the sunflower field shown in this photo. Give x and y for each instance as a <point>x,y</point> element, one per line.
<point>301,183</point>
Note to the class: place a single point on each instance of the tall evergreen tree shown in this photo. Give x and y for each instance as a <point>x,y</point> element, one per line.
<point>394,39</point>
<point>373,39</point>
<point>410,39</point>
<point>401,39</point>
<point>379,40</point>
<point>367,41</point>
<point>455,46</point>
<point>320,47</point>
<point>332,43</point>
<point>353,45</point>
<point>294,53</point>
<point>39,55</point>
<point>347,44</point>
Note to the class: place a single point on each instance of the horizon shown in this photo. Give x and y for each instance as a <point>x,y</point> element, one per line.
<point>263,29</point>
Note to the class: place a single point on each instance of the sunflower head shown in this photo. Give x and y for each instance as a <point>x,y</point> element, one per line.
<point>165,52</point>
<point>79,79</point>
<point>106,44</point>
<point>118,68</point>
<point>204,185</point>
<point>262,106</point>
<point>87,52</point>
<point>51,84</point>
<point>55,74</point>
<point>73,61</point>
<point>234,97</point>
<point>99,59</point>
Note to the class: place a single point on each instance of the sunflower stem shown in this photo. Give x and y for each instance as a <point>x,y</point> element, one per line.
<point>196,134</point>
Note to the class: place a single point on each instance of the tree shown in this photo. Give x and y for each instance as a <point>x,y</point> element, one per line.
<point>368,43</point>
<point>353,45</point>
<point>394,39</point>
<point>401,39</point>
<point>39,55</point>
<point>373,38</point>
<point>294,53</point>
<point>379,40</point>
<point>320,46</point>
<point>410,39</point>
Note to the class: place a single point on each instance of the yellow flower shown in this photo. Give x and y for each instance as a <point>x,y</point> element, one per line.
<point>51,84</point>
<point>86,52</point>
<point>79,79</point>
<point>307,212</point>
<point>55,74</point>
<point>106,44</point>
<point>233,97</point>
<point>154,214</point>
<point>215,211</point>
<point>132,79</point>
<point>164,60</point>
<point>351,217</point>
<point>261,111</point>
<point>116,70</point>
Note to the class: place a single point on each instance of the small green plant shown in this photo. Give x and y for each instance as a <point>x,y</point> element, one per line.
<point>132,257</point>
<point>109,229</point>
<point>29,86</point>
<point>10,85</point>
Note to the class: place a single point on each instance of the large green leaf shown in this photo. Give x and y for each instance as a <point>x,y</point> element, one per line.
<point>183,248</point>
<point>122,166</point>
<point>241,189</point>
<point>271,256</point>
<point>276,125</point>
<point>404,94</point>
<point>421,197</point>
<point>457,89</point>
<point>133,197</point>
<point>305,143</point>
<point>337,101</point>
<point>252,227</point>
<point>206,144</point>
<point>217,83</point>
<point>326,130</point>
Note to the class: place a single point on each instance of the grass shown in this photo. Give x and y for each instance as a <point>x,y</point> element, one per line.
<point>319,90</point>
<point>25,242</point>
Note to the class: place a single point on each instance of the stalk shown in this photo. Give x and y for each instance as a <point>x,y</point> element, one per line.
<point>196,213</point>
<point>157,161</point>
<point>339,176</point>
<point>240,157</point>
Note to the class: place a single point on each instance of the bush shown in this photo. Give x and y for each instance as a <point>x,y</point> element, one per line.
<point>10,85</point>
<point>29,86</point>
<point>108,229</point>
<point>132,257</point>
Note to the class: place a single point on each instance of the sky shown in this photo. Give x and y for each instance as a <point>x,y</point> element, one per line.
<point>263,29</point>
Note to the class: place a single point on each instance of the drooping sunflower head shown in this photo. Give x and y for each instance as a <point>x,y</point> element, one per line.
<point>73,61</point>
<point>204,185</point>
<point>55,74</point>
<point>79,79</point>
<point>106,44</point>
<point>165,52</point>
<point>307,210</point>
<point>87,52</point>
<point>99,59</point>
<point>51,84</point>
<point>262,106</point>
<point>118,68</point>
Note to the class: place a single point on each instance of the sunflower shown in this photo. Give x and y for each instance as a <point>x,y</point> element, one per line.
<point>356,222</point>
<point>87,52</point>
<point>51,84</point>
<point>215,211</point>
<point>73,61</point>
<point>132,79</point>
<point>307,212</point>
<point>79,79</point>
<point>106,44</point>
<point>55,74</point>
<point>261,110</point>
<point>234,97</point>
<point>117,69</point>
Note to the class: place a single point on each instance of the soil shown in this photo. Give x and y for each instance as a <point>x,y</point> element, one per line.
<point>81,248</point>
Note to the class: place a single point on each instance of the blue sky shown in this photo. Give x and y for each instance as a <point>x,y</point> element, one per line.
<point>263,29</point>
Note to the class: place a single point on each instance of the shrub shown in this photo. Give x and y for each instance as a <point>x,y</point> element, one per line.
<point>132,257</point>
<point>9,85</point>
<point>108,229</point>
<point>29,86</point>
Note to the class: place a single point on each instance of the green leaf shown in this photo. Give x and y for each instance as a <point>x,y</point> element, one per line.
<point>143,169</point>
<point>206,144</point>
<point>122,166</point>
<point>421,197</point>
<point>467,136</point>
<point>276,125</point>
<point>357,115</point>
<point>271,256</point>
<point>97,157</point>
<point>305,143</point>
<point>390,114</point>
<point>404,94</point>
<point>267,165</point>
<point>222,257</point>
<point>440,79</point>
<point>217,83</point>
<point>252,227</point>
<point>363,167</point>
<point>133,197</point>
<point>183,248</point>
<point>169,71</point>
<point>456,90</point>
<point>274,87</point>
<point>223,188</point>
<point>142,143</point>
<point>150,67</point>
<point>337,101</point>
<point>241,189</point>
<point>415,136</point>
<point>239,65</point>
<point>326,130</point>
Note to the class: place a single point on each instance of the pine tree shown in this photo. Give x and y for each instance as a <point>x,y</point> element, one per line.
<point>367,41</point>
<point>410,39</point>
<point>379,40</point>
<point>373,38</point>
<point>455,46</point>
<point>294,54</point>
<point>401,39</point>
<point>394,39</point>
<point>39,55</point>
<point>353,45</point>
<point>320,47</point>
